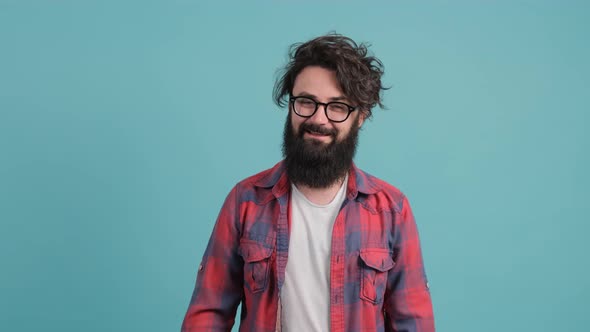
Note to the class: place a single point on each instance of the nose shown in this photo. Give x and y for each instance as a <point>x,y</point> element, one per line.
<point>319,117</point>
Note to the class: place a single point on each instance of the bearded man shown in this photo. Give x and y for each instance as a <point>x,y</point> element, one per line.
<point>315,243</point>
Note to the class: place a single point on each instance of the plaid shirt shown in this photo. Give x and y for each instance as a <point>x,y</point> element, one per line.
<point>377,278</point>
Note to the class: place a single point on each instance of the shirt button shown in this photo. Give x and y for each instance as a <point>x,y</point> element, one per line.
<point>200,267</point>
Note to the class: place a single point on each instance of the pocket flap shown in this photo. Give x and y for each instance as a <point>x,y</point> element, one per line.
<point>253,251</point>
<point>378,259</point>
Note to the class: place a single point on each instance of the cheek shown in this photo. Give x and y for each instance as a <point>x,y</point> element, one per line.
<point>342,132</point>
<point>295,123</point>
<point>345,128</point>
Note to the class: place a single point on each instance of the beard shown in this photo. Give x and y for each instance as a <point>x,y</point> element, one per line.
<point>316,164</point>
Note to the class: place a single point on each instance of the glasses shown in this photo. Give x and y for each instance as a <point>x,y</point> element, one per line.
<point>335,111</point>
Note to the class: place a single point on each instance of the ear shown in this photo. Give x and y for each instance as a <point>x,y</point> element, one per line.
<point>362,116</point>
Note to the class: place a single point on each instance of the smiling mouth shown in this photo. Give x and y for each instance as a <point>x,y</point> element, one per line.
<point>315,133</point>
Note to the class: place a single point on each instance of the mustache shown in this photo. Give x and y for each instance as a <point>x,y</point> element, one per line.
<point>316,128</point>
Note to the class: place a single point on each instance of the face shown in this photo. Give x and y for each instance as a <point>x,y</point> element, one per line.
<point>321,85</point>
<point>319,152</point>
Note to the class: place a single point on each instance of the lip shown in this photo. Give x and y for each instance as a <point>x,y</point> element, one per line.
<point>317,135</point>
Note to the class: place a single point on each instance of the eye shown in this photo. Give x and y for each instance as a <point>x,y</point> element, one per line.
<point>339,108</point>
<point>305,102</point>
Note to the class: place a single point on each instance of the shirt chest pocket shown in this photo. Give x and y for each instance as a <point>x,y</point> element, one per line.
<point>257,258</point>
<point>375,264</point>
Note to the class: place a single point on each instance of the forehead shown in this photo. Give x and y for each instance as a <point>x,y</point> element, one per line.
<point>317,81</point>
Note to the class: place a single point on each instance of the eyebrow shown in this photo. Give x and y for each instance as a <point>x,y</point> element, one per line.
<point>307,94</point>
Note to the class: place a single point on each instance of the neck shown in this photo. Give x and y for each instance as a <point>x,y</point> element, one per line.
<point>320,196</point>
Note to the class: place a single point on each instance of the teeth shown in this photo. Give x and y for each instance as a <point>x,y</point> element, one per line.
<point>316,133</point>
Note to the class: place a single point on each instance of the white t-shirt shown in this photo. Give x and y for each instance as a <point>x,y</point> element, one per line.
<point>305,295</point>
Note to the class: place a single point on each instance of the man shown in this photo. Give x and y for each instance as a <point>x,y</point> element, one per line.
<point>314,243</point>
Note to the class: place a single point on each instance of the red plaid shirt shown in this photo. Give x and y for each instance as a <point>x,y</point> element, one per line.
<point>377,278</point>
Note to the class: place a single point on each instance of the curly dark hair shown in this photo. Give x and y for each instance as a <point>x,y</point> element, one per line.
<point>358,73</point>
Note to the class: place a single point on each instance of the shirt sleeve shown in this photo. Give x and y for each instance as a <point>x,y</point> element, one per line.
<point>219,286</point>
<point>407,306</point>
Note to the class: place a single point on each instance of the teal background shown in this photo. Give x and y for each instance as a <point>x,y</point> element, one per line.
<point>123,125</point>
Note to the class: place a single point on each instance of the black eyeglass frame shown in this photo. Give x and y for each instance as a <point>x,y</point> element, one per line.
<point>292,100</point>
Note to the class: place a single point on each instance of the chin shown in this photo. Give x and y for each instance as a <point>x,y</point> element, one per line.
<point>318,142</point>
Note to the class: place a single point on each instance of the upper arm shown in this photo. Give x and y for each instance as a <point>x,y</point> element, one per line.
<point>218,289</point>
<point>408,304</point>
